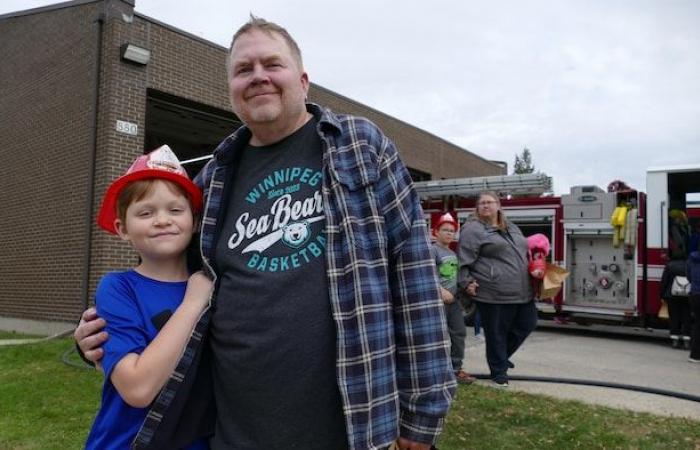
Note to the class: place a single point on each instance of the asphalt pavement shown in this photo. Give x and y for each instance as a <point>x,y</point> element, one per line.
<point>637,357</point>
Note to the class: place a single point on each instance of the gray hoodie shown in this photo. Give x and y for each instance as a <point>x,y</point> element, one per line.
<point>497,260</point>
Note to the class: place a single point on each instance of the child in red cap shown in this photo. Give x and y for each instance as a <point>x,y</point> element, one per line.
<point>150,309</point>
<point>446,261</point>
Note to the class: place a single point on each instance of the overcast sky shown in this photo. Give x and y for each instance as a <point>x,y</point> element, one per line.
<point>597,90</point>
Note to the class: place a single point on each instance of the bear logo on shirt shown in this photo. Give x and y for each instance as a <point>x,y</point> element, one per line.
<point>296,234</point>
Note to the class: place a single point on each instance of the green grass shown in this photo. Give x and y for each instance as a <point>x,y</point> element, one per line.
<point>46,404</point>
<point>488,418</point>
<point>15,335</point>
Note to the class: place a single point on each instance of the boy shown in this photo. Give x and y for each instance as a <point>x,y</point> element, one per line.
<point>446,260</point>
<point>153,207</point>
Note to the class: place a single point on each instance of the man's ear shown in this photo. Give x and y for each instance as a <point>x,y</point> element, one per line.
<point>121,229</point>
<point>305,84</point>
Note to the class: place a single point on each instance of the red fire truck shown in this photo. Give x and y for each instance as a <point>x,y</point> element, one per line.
<point>614,263</point>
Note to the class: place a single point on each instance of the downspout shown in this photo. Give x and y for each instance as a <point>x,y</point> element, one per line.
<point>92,163</point>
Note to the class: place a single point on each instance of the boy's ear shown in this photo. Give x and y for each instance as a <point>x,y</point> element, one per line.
<point>121,229</point>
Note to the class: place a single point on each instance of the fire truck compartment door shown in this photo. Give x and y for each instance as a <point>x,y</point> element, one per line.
<point>600,275</point>
<point>583,211</point>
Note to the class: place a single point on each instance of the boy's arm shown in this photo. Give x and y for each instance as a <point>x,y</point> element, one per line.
<point>139,378</point>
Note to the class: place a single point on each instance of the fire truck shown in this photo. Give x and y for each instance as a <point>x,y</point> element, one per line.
<point>614,242</point>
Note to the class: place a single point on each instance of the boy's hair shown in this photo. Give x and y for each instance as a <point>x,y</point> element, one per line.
<point>139,189</point>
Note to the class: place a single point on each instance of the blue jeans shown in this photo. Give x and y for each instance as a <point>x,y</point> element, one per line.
<point>506,326</point>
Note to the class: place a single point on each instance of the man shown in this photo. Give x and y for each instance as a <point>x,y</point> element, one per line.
<point>326,329</point>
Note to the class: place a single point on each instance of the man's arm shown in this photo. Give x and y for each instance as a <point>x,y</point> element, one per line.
<point>425,390</point>
<point>90,336</point>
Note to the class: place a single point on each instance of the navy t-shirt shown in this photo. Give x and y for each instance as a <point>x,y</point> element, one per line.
<point>135,308</point>
<point>272,333</point>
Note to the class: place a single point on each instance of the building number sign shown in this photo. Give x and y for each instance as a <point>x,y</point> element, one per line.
<point>127,128</point>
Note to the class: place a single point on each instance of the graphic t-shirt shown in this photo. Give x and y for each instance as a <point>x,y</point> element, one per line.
<point>135,308</point>
<point>447,265</point>
<point>272,333</point>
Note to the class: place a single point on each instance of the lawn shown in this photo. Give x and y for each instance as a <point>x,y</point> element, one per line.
<point>15,335</point>
<point>46,404</point>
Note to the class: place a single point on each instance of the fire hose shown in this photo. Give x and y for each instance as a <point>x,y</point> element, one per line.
<point>596,383</point>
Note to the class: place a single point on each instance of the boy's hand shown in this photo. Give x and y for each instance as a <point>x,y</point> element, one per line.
<point>447,296</point>
<point>90,337</point>
<point>471,288</point>
<point>405,444</point>
<point>199,288</point>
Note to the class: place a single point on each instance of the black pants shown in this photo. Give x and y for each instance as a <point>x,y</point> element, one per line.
<point>679,316</point>
<point>506,326</point>
<point>695,340</point>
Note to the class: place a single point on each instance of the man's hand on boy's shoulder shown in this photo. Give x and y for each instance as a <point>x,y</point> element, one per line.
<point>90,337</point>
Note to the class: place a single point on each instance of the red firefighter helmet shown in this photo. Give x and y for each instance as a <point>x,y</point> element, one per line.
<point>445,218</point>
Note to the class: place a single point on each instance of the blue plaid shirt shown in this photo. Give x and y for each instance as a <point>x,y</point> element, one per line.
<point>393,366</point>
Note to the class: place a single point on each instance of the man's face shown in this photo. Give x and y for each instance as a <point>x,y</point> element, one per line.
<point>266,84</point>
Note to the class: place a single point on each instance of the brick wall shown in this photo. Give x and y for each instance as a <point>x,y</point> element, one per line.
<point>46,110</point>
<point>122,97</point>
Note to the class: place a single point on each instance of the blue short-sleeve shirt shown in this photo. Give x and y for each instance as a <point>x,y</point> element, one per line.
<point>135,308</point>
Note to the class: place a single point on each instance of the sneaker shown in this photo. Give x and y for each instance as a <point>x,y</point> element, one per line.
<point>693,360</point>
<point>480,337</point>
<point>686,344</point>
<point>676,343</point>
<point>499,383</point>
<point>561,320</point>
<point>463,377</point>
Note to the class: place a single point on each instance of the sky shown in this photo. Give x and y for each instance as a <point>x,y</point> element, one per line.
<point>598,90</point>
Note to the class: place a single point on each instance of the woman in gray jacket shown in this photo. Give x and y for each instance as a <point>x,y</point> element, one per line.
<point>493,270</point>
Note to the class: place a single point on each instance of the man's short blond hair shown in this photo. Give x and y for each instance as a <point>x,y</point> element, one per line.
<point>271,28</point>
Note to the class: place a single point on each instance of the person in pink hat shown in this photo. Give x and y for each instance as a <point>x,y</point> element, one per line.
<point>153,207</point>
<point>447,265</point>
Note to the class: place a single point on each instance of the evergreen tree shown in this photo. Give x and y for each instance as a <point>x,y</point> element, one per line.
<point>523,163</point>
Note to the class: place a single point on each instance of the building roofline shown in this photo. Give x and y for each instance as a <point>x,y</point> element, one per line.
<point>403,123</point>
<point>41,9</point>
<point>675,168</point>
<point>180,31</point>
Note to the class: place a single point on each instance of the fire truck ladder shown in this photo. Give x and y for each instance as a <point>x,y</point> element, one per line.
<point>526,184</point>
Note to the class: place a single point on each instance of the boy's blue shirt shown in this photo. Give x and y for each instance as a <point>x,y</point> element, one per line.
<point>135,308</point>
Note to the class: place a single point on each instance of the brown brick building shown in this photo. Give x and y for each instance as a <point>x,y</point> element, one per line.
<point>75,113</point>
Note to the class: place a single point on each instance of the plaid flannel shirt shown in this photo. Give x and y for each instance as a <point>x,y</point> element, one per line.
<point>393,366</point>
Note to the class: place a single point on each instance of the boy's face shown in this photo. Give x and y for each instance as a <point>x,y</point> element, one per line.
<point>160,225</point>
<point>445,234</point>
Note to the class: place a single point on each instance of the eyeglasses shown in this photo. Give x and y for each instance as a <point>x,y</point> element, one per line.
<point>447,231</point>
<point>487,202</point>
